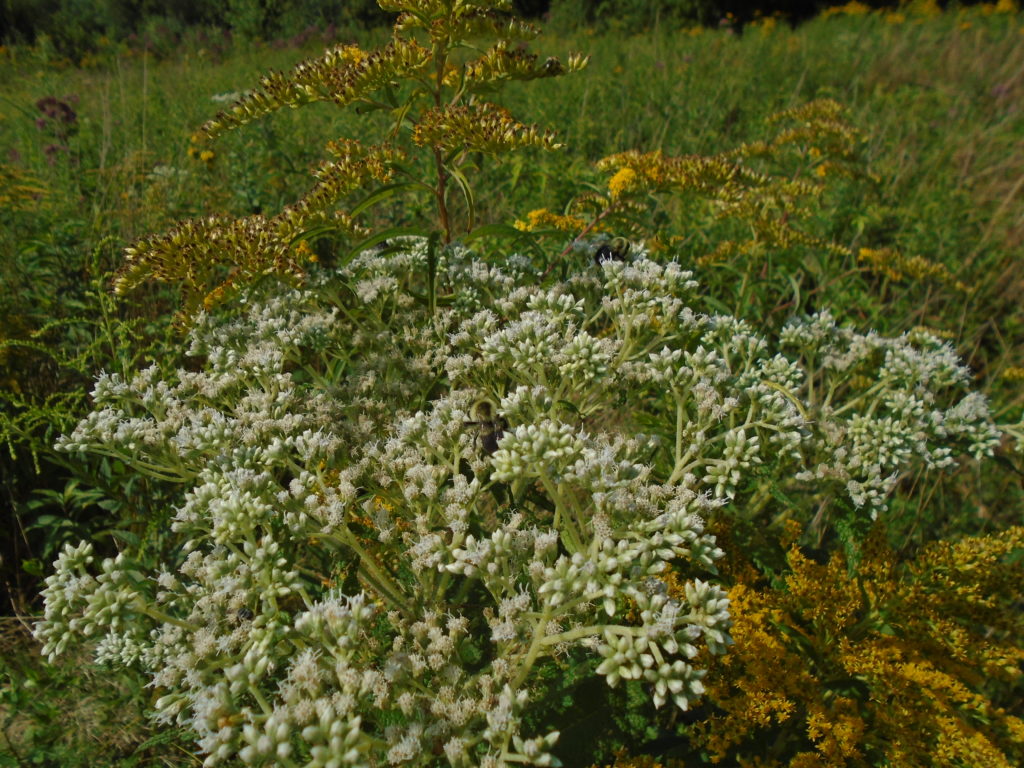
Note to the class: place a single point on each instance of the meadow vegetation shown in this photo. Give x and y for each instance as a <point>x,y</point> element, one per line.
<point>850,189</point>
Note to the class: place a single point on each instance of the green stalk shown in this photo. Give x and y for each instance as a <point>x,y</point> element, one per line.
<point>536,644</point>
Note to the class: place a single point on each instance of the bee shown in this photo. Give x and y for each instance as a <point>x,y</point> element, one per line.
<point>492,427</point>
<point>615,249</point>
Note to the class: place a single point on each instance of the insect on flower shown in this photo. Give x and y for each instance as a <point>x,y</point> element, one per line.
<point>491,426</point>
<point>615,249</point>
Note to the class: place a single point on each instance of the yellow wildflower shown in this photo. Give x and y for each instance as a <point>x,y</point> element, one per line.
<point>623,181</point>
<point>352,54</point>
<point>940,333</point>
<point>853,8</point>
<point>897,266</point>
<point>1013,373</point>
<point>303,251</point>
<point>542,217</point>
<point>207,155</point>
<point>892,657</point>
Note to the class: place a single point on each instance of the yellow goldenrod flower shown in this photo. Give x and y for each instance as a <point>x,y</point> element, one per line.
<point>542,217</point>
<point>623,181</point>
<point>853,8</point>
<point>352,54</point>
<point>939,333</point>
<point>482,127</point>
<point>1013,373</point>
<point>303,251</point>
<point>897,266</point>
<point>903,628</point>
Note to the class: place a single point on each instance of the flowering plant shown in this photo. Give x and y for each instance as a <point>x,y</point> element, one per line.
<point>912,662</point>
<point>416,490</point>
<point>376,567</point>
<point>433,84</point>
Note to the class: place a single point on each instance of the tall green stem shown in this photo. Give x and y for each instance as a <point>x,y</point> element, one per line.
<point>440,59</point>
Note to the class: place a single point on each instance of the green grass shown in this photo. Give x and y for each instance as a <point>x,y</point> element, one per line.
<point>937,100</point>
<point>76,714</point>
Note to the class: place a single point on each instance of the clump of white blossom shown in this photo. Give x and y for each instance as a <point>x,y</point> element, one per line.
<point>362,581</point>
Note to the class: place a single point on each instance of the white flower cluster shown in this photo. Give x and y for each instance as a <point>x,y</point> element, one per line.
<point>393,525</point>
<point>882,405</point>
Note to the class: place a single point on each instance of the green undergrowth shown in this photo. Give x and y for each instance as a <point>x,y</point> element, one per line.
<point>75,714</point>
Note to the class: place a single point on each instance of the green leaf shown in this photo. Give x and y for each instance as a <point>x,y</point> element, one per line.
<point>379,195</point>
<point>49,523</point>
<point>399,115</point>
<point>718,305</point>
<point>493,230</point>
<point>506,230</point>
<point>517,164</point>
<point>467,192</point>
<point>125,537</point>
<point>569,406</point>
<point>779,495</point>
<point>794,283</point>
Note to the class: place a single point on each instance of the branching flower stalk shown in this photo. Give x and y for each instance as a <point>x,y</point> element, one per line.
<point>445,59</point>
